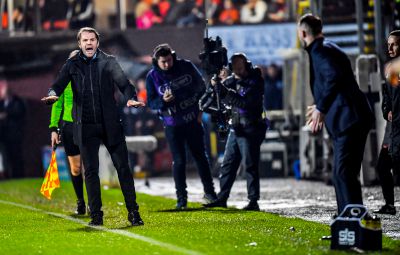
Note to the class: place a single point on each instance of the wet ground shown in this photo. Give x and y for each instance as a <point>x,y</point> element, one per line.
<point>310,200</point>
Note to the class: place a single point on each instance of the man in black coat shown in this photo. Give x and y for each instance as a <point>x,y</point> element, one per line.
<point>93,75</point>
<point>340,104</point>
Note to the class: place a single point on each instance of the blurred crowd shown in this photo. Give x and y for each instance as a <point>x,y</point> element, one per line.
<point>144,14</point>
<point>219,12</point>
<point>54,14</point>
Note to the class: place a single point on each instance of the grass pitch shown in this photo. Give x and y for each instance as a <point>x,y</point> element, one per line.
<point>31,224</point>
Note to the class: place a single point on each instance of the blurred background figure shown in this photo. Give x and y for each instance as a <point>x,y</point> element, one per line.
<point>145,16</point>
<point>253,12</point>
<point>277,11</point>
<point>81,14</point>
<point>273,88</point>
<point>160,8</point>
<point>22,19</point>
<point>213,10</point>
<point>12,122</point>
<point>229,15</point>
<point>179,11</point>
<point>54,14</point>
<point>196,15</point>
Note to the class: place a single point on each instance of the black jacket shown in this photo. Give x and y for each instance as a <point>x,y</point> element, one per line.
<point>335,90</point>
<point>246,95</point>
<point>391,102</point>
<point>108,73</point>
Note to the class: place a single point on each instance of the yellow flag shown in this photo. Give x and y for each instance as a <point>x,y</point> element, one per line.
<point>51,180</point>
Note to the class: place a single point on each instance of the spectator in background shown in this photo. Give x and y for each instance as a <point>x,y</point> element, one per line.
<point>18,18</point>
<point>12,122</point>
<point>81,14</point>
<point>195,16</point>
<point>253,12</point>
<point>213,10</point>
<point>54,14</point>
<point>145,17</point>
<point>230,14</point>
<point>160,8</point>
<point>273,88</point>
<point>277,11</point>
<point>181,8</point>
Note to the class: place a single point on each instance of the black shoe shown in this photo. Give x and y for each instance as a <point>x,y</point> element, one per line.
<point>97,219</point>
<point>387,209</point>
<point>134,218</point>
<point>252,206</point>
<point>80,207</point>
<point>181,204</point>
<point>210,197</point>
<point>216,203</point>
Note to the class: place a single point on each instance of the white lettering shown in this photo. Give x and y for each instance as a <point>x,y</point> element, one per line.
<point>347,237</point>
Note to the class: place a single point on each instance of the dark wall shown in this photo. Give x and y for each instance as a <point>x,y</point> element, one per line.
<point>187,42</point>
<point>31,89</point>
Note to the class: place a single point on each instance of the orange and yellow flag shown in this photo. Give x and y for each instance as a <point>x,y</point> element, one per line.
<point>51,180</point>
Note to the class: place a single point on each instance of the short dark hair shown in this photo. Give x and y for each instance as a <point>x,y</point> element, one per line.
<point>87,29</point>
<point>162,50</point>
<point>313,24</point>
<point>239,55</point>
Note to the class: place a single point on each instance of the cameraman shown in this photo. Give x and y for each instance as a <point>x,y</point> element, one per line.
<point>243,91</point>
<point>174,87</point>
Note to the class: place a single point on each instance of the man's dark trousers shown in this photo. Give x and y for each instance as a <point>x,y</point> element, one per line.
<point>384,166</point>
<point>92,136</point>
<point>192,135</point>
<point>348,155</point>
<point>246,147</point>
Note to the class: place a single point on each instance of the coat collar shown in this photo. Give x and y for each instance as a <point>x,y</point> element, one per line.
<point>316,43</point>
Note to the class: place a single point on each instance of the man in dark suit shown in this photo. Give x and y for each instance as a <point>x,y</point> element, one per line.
<point>93,75</point>
<point>340,104</point>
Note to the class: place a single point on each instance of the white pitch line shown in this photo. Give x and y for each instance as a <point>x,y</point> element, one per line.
<point>115,231</point>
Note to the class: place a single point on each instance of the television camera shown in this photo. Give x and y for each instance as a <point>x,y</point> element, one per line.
<point>213,59</point>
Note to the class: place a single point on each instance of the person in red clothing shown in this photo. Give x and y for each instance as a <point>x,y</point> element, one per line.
<point>230,14</point>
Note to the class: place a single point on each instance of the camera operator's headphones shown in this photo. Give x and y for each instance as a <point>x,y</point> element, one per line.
<point>243,56</point>
<point>162,50</point>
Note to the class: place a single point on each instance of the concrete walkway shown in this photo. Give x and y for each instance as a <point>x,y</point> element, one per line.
<point>314,201</point>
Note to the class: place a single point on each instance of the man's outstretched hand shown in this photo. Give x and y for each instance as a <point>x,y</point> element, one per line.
<point>133,103</point>
<point>49,99</point>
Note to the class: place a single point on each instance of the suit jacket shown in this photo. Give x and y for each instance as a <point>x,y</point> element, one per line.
<point>335,90</point>
<point>108,73</point>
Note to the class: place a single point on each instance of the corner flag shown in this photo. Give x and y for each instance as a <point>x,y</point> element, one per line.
<point>51,180</point>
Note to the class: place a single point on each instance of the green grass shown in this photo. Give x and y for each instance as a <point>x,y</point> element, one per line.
<point>206,231</point>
